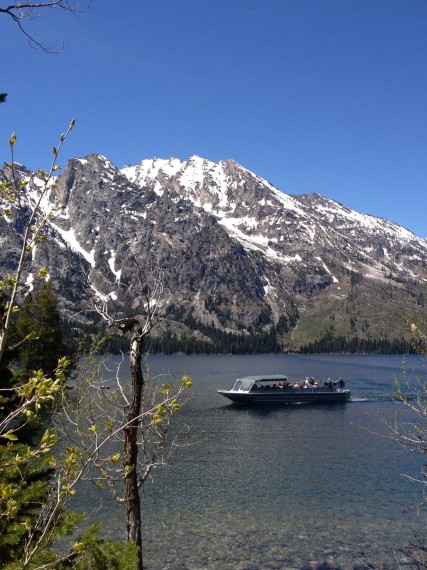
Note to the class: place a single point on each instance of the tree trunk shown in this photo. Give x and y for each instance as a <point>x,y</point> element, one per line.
<point>130,448</point>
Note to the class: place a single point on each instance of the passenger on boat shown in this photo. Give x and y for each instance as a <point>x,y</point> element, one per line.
<point>341,383</point>
<point>298,385</point>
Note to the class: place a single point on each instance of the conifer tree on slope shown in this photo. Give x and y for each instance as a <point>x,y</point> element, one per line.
<point>39,314</point>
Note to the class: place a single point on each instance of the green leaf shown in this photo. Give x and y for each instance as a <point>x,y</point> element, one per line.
<point>9,435</point>
<point>186,381</point>
<point>42,174</point>
<point>31,416</point>
<point>115,458</point>
<point>64,362</point>
<point>78,548</point>
<point>32,336</point>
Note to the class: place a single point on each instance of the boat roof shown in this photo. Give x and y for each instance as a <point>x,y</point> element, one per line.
<point>266,378</point>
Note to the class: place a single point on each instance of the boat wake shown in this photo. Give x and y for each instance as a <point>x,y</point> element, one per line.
<point>377,399</point>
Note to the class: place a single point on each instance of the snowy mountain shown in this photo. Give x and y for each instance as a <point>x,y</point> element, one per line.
<point>241,259</point>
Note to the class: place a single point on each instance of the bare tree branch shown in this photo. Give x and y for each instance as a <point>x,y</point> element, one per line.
<point>21,12</point>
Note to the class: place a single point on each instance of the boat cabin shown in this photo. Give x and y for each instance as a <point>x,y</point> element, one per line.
<point>259,382</point>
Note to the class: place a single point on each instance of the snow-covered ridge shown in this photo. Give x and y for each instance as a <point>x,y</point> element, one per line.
<point>339,214</point>
<point>219,188</point>
<point>231,192</point>
<point>258,215</point>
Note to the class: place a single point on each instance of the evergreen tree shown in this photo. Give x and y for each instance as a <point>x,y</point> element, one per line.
<point>39,317</point>
<point>21,511</point>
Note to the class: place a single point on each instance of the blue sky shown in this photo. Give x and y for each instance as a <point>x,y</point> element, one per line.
<point>326,96</point>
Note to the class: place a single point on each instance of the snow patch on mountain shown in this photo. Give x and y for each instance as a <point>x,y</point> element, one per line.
<point>112,265</point>
<point>71,240</point>
<point>334,279</point>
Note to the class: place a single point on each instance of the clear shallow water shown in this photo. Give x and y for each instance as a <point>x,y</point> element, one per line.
<point>280,487</point>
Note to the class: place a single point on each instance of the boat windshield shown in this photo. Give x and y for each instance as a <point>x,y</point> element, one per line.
<point>242,385</point>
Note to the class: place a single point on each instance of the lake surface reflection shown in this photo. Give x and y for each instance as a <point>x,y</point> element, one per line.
<point>281,487</point>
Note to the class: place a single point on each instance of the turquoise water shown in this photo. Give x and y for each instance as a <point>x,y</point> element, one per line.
<point>282,487</point>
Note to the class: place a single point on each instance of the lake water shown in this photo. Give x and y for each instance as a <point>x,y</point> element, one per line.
<point>291,487</point>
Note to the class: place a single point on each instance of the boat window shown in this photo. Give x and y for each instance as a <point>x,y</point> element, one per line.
<point>246,385</point>
<point>242,385</point>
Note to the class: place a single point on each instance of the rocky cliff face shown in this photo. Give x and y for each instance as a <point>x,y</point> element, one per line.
<point>236,254</point>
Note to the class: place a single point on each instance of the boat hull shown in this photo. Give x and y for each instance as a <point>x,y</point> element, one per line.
<point>292,396</point>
